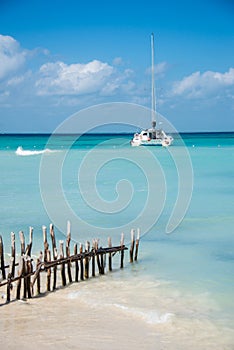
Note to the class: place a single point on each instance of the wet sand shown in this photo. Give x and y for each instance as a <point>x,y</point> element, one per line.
<point>56,322</point>
<point>89,315</point>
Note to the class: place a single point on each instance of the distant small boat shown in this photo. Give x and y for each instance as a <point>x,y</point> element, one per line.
<point>152,136</point>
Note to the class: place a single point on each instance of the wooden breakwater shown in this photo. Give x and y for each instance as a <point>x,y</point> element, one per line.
<point>23,280</point>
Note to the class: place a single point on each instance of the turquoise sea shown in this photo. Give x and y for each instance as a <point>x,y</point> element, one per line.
<point>182,286</point>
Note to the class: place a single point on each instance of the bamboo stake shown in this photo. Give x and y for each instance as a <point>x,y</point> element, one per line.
<point>2,258</point>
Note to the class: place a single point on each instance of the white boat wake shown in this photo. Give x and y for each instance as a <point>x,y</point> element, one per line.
<point>21,152</point>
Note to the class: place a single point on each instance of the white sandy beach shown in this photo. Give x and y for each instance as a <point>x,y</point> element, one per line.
<point>74,318</point>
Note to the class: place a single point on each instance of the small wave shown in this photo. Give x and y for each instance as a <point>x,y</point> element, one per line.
<point>21,152</point>
<point>151,317</point>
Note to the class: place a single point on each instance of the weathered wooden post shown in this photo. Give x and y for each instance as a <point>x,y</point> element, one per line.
<point>110,254</point>
<point>20,274</point>
<point>98,257</point>
<point>86,262</point>
<point>30,240</point>
<point>9,278</point>
<point>48,259</point>
<point>122,251</point>
<point>81,263</point>
<point>37,276</point>
<point>76,264</point>
<point>24,273</point>
<point>2,258</point>
<point>137,244</point>
<point>52,235</point>
<point>93,257</point>
<point>63,275</point>
<point>131,251</point>
<point>13,254</point>
<point>54,254</point>
<point>46,245</point>
<point>9,287</point>
<point>29,270</point>
<point>68,251</point>
<point>22,242</point>
<point>102,263</point>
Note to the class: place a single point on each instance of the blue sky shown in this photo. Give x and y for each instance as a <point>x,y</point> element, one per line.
<point>58,57</point>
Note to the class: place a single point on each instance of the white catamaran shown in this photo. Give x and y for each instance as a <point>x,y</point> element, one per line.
<point>152,136</point>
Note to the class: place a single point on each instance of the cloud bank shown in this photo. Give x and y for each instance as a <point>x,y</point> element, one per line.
<point>75,79</point>
<point>33,77</point>
<point>200,84</point>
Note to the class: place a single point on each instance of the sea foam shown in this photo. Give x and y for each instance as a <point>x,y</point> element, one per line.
<point>21,152</point>
<point>151,317</point>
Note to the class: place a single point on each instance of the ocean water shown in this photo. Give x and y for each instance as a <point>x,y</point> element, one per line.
<point>181,289</point>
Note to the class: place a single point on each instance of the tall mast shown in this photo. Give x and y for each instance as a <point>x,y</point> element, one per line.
<point>153,97</point>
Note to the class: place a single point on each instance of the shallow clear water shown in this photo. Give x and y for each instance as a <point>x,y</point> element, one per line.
<point>182,280</point>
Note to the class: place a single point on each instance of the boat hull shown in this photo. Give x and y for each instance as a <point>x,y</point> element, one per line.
<point>141,140</point>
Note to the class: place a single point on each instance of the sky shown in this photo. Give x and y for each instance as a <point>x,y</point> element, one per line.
<point>58,57</point>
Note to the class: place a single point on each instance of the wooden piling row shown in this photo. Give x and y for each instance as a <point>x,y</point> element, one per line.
<point>49,261</point>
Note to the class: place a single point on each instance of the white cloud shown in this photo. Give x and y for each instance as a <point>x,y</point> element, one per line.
<point>15,80</point>
<point>202,84</point>
<point>159,68</point>
<point>119,82</point>
<point>117,61</point>
<point>61,79</point>
<point>11,55</point>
